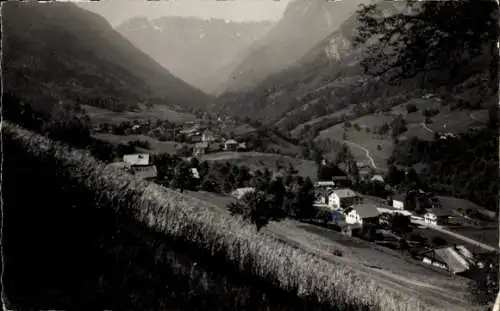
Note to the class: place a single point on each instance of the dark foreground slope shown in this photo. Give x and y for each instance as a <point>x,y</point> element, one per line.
<point>133,245</point>
<point>58,51</point>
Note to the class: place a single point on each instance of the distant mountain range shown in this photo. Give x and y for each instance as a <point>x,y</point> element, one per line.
<point>201,52</point>
<point>58,51</point>
<point>303,26</point>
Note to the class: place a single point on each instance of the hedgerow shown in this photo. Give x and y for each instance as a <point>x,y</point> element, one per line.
<point>193,222</point>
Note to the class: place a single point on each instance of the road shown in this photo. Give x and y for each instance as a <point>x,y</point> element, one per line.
<point>456,235</point>
<point>367,153</point>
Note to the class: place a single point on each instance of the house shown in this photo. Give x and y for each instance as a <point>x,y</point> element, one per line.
<point>362,214</point>
<point>146,172</point>
<point>231,145</point>
<point>195,173</point>
<point>343,198</point>
<point>242,147</point>
<point>378,178</point>
<point>448,258</point>
<point>240,192</point>
<point>208,137</point>
<point>200,149</point>
<point>398,201</point>
<point>436,217</point>
<point>136,159</point>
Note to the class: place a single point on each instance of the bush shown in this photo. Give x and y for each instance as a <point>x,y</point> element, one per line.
<point>410,108</point>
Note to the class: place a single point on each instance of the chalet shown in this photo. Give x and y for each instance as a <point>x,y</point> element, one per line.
<point>231,145</point>
<point>147,172</point>
<point>208,137</point>
<point>398,201</point>
<point>362,214</point>
<point>447,258</point>
<point>437,217</point>
<point>343,198</point>
<point>141,159</point>
<point>200,149</point>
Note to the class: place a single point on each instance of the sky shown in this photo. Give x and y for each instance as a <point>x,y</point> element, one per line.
<point>118,11</point>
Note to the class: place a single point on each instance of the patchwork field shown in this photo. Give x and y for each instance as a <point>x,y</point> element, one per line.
<point>257,160</point>
<point>99,116</point>
<point>156,145</point>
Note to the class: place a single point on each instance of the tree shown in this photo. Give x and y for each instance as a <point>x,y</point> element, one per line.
<point>384,129</point>
<point>68,122</point>
<point>182,177</point>
<point>484,273</point>
<point>303,207</point>
<point>438,241</point>
<point>400,224</point>
<point>254,207</point>
<point>410,108</point>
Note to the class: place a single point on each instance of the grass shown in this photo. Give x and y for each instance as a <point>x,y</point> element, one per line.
<point>258,160</point>
<point>156,145</point>
<point>99,116</point>
<point>191,222</point>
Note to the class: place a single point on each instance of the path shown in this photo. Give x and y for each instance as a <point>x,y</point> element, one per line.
<point>367,153</point>
<point>425,127</point>
<point>456,235</point>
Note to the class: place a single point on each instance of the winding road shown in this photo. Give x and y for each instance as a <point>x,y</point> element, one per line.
<point>367,153</point>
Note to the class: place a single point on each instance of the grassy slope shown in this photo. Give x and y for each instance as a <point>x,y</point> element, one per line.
<point>257,160</point>
<point>99,116</point>
<point>57,51</point>
<point>193,221</point>
<point>157,146</point>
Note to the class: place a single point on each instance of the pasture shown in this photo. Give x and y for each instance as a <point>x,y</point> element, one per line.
<point>260,161</point>
<point>157,146</point>
<point>99,116</point>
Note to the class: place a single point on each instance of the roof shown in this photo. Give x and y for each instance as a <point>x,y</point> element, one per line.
<point>136,159</point>
<point>145,171</point>
<point>201,145</point>
<point>231,142</point>
<point>467,254</point>
<point>324,183</point>
<point>399,197</point>
<point>345,193</point>
<point>378,178</point>
<point>240,192</point>
<point>438,212</point>
<point>456,263</point>
<point>366,210</point>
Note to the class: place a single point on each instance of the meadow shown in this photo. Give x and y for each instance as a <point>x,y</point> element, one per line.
<point>214,237</point>
<point>156,146</point>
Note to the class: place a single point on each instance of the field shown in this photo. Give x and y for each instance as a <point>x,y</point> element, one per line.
<point>257,160</point>
<point>359,142</point>
<point>157,146</point>
<point>292,260</point>
<point>99,116</point>
<point>451,204</point>
<point>336,114</point>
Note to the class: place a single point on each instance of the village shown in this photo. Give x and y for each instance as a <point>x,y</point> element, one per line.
<point>427,231</point>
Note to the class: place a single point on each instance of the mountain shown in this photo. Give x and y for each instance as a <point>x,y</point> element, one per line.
<point>201,52</point>
<point>58,51</point>
<point>304,24</point>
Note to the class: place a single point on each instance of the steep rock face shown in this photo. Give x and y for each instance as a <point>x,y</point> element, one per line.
<point>303,26</point>
<point>201,52</point>
<point>58,51</point>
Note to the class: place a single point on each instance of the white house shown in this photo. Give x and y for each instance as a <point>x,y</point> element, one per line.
<point>343,198</point>
<point>398,201</point>
<point>136,159</point>
<point>436,217</point>
<point>362,213</point>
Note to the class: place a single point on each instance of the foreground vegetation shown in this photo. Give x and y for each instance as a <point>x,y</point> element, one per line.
<point>221,237</point>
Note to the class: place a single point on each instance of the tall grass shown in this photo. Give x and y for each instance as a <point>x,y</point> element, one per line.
<point>229,240</point>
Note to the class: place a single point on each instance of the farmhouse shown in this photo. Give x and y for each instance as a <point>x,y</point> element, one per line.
<point>231,145</point>
<point>437,216</point>
<point>136,159</point>
<point>362,214</point>
<point>343,198</point>
<point>200,149</point>
<point>448,258</point>
<point>398,201</point>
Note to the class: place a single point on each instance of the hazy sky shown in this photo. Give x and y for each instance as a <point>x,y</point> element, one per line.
<point>117,11</point>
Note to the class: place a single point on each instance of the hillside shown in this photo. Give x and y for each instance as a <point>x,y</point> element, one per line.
<point>57,51</point>
<point>201,52</point>
<point>304,24</point>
